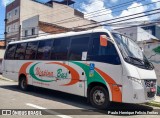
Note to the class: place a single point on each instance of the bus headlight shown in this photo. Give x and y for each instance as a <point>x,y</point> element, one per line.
<point>135,80</point>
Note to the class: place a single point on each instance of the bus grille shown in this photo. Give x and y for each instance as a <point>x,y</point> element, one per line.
<point>150,84</point>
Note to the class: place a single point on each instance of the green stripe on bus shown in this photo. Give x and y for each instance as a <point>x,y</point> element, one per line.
<point>96,78</point>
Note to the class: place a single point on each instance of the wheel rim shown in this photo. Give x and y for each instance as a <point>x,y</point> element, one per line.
<point>98,97</point>
<point>23,84</point>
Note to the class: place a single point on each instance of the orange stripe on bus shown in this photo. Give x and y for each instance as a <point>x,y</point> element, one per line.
<point>116,92</point>
<point>23,69</point>
<point>75,76</point>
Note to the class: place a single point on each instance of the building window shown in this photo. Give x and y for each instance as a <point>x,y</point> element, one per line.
<point>16,12</point>
<point>26,33</point>
<point>9,29</point>
<point>9,15</point>
<point>33,31</point>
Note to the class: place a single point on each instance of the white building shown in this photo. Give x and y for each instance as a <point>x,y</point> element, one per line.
<point>136,33</point>
<point>19,12</point>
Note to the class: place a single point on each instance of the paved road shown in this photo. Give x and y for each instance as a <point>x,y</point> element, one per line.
<point>37,98</point>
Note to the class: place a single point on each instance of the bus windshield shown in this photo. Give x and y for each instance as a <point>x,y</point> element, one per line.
<point>131,51</point>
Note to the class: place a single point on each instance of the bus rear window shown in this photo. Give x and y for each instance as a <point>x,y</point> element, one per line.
<point>10,51</point>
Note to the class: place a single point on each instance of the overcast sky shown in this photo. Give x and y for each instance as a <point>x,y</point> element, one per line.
<point>107,7</point>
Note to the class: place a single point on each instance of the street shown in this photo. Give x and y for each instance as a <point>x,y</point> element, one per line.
<point>59,104</point>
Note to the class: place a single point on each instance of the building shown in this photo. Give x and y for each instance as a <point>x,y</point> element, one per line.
<point>2,51</point>
<point>25,18</point>
<point>2,44</point>
<point>152,51</point>
<point>153,29</point>
<point>137,34</point>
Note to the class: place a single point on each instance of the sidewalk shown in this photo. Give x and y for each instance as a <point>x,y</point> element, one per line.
<point>3,78</point>
<point>157,99</point>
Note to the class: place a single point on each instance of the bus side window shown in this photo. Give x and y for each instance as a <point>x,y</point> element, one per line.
<point>44,49</point>
<point>60,49</point>
<point>106,54</point>
<point>78,46</point>
<point>31,50</point>
<point>10,51</point>
<point>20,51</point>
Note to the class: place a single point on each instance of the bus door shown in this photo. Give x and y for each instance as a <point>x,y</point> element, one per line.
<point>77,61</point>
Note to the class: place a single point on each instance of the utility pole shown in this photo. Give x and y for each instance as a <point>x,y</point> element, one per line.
<point>5,30</point>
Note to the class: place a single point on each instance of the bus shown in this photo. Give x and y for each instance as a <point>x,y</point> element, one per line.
<point>98,64</point>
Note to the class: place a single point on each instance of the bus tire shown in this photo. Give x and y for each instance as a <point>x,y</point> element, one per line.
<point>99,97</point>
<point>23,83</point>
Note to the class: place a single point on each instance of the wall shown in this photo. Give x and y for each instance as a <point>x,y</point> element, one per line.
<point>143,35</point>
<point>55,15</point>
<point>28,25</point>
<point>12,21</point>
<point>130,32</point>
<point>1,57</point>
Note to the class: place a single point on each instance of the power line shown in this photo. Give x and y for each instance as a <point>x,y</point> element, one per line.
<point>73,18</point>
<point>116,6</point>
<point>121,17</point>
<point>87,13</point>
<point>101,14</point>
<point>113,20</point>
<point>45,34</point>
<point>106,13</point>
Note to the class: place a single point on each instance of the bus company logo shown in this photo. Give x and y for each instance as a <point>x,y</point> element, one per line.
<point>61,74</point>
<point>34,71</point>
<point>46,73</point>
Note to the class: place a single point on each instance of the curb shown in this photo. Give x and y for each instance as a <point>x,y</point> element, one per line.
<point>153,103</point>
<point>5,79</point>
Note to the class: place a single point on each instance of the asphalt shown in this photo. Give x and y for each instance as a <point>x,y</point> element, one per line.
<point>59,104</point>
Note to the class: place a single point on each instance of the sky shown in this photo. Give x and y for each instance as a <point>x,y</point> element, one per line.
<point>92,8</point>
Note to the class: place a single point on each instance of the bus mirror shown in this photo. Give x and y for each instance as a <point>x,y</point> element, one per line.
<point>103,40</point>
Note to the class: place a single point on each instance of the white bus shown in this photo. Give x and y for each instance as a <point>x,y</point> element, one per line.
<point>100,65</point>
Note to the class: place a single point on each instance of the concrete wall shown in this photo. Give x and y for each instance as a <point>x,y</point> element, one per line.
<point>2,53</point>
<point>136,33</point>
<point>143,35</point>
<point>153,57</point>
<point>28,25</point>
<point>59,14</point>
<point>130,32</point>
<point>1,57</point>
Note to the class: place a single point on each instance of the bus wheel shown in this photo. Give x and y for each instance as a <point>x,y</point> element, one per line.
<point>99,97</point>
<point>23,83</point>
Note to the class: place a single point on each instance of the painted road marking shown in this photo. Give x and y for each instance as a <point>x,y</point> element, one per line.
<point>49,111</point>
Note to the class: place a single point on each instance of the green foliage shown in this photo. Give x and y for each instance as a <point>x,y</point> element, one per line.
<point>157,50</point>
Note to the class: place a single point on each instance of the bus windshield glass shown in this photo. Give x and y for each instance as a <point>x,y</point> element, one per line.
<point>131,51</point>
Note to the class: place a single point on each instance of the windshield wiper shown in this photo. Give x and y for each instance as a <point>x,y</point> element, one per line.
<point>147,64</point>
<point>137,59</point>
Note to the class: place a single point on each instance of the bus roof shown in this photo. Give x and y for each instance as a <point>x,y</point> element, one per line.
<point>61,35</point>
